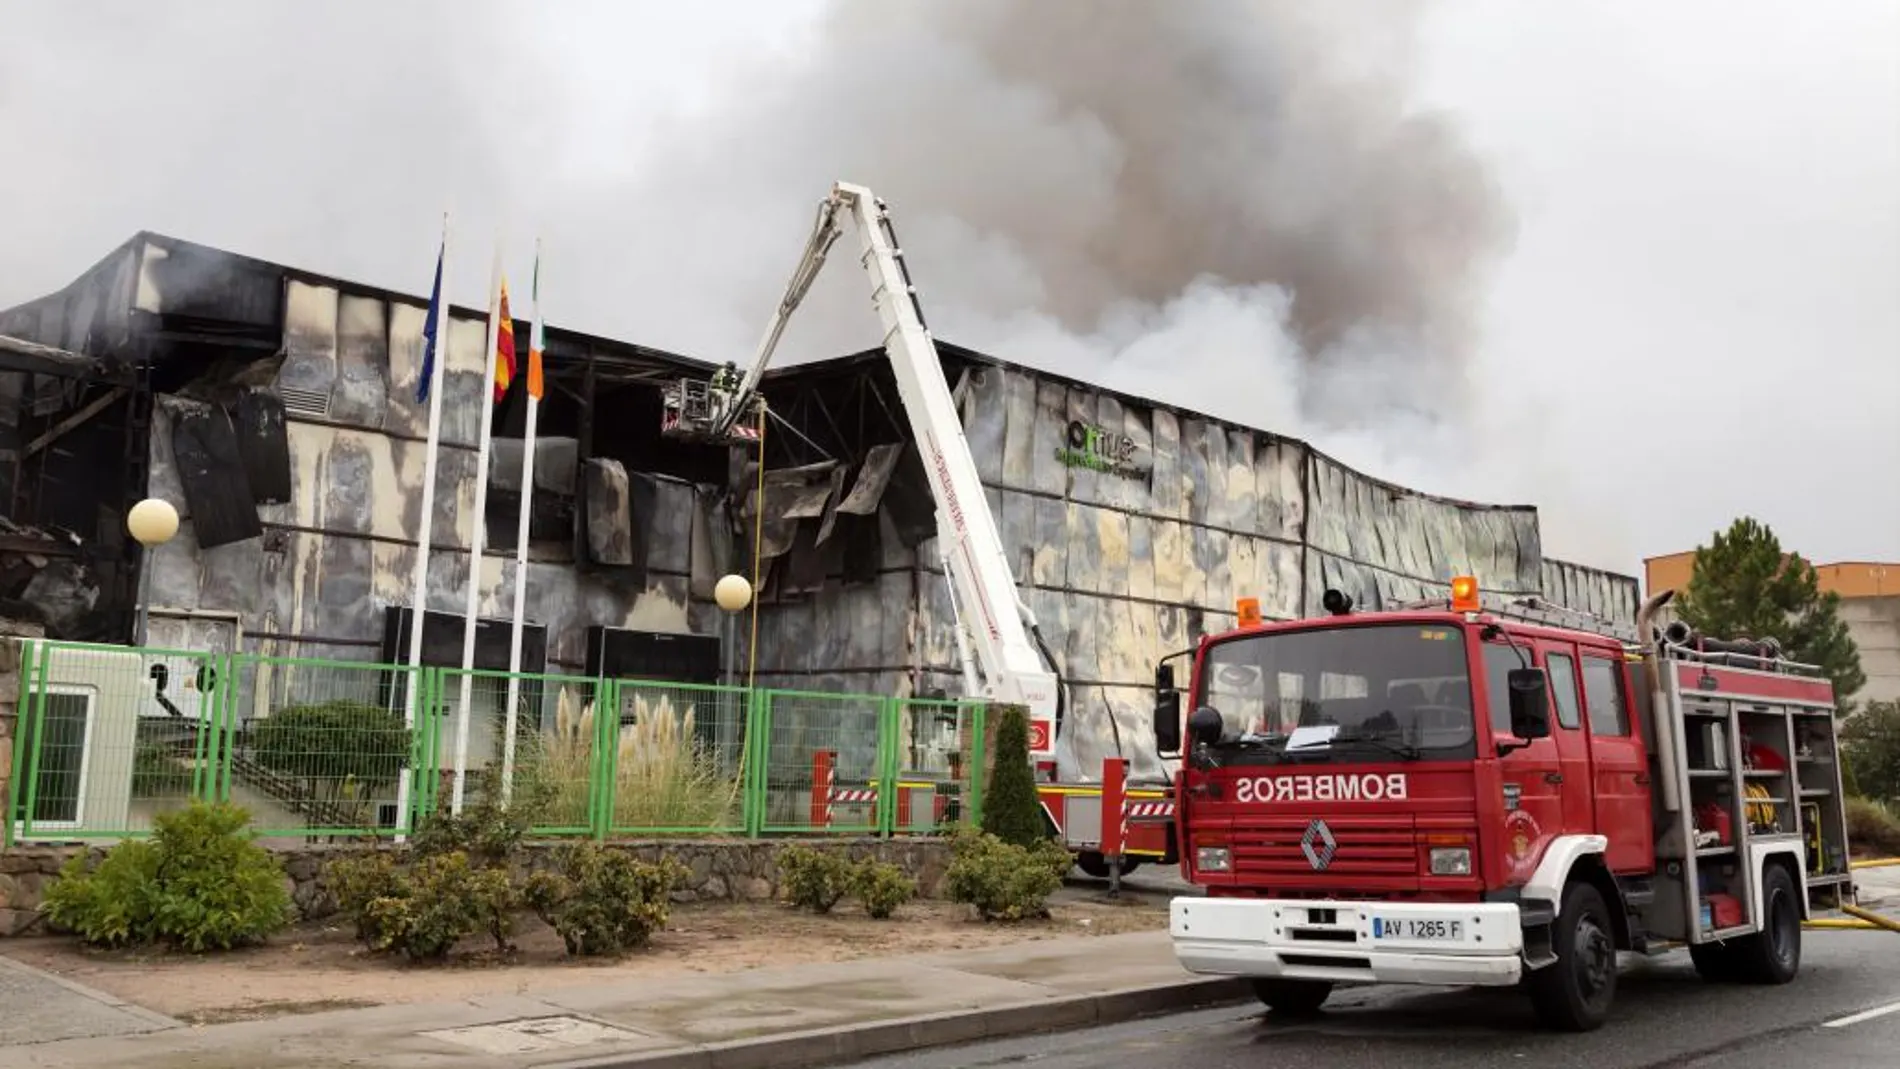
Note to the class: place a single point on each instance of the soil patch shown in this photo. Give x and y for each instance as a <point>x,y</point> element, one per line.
<point>319,966</point>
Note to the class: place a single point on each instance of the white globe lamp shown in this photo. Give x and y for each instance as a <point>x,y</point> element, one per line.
<point>151,523</point>
<point>733,593</point>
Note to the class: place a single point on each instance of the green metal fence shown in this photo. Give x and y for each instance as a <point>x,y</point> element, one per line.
<point>108,737</point>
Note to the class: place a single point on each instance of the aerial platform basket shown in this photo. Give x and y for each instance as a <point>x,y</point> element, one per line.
<point>690,410</point>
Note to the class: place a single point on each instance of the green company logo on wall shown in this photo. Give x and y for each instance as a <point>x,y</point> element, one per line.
<point>1099,449</point>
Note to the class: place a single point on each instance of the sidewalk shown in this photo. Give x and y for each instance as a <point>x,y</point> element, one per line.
<point>1879,888</point>
<point>762,1019</point>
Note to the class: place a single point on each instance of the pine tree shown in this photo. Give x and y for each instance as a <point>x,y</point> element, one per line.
<point>1011,810</point>
<point>1744,586</point>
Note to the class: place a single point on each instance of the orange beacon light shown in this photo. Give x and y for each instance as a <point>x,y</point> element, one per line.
<point>1464,594</point>
<point>1248,611</point>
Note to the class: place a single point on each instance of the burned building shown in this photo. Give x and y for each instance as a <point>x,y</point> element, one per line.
<point>277,409</point>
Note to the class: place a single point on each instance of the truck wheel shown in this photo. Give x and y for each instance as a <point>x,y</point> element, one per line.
<point>1295,998</point>
<point>1773,955</point>
<point>1574,993</point>
<point>1092,863</point>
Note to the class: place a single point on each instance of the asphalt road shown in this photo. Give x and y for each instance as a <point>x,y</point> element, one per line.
<point>1667,1018</point>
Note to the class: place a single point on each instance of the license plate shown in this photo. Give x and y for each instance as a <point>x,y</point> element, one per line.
<point>1429,931</point>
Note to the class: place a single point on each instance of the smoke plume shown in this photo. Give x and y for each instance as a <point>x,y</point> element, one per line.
<point>1228,205</point>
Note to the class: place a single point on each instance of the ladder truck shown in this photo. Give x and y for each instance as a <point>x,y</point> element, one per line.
<point>1003,656</point>
<point>1504,795</point>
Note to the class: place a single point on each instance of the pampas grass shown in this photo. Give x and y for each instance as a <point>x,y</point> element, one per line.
<point>664,776</point>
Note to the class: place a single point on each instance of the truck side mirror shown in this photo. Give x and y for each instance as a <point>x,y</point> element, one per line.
<point>1168,721</point>
<point>1530,703</point>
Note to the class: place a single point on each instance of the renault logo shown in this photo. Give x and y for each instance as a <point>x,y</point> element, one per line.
<point>1318,845</point>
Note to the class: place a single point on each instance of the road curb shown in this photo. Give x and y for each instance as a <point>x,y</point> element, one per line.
<point>820,1047</point>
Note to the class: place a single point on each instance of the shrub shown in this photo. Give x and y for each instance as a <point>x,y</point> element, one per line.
<point>333,745</point>
<point>486,830</point>
<point>441,900</point>
<point>1005,881</point>
<point>458,882</point>
<point>157,771</point>
<point>814,879</point>
<point>199,883</point>
<point>355,882</point>
<point>1873,827</point>
<point>1011,810</point>
<point>1870,748</point>
<point>881,887</point>
<point>604,901</point>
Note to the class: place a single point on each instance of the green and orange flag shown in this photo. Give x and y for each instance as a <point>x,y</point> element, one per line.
<point>504,348</point>
<point>535,385</point>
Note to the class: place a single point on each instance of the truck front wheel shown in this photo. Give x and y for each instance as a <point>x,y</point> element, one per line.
<point>1295,998</point>
<point>1574,993</point>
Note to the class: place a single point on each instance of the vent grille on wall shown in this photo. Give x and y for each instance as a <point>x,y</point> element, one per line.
<point>305,402</point>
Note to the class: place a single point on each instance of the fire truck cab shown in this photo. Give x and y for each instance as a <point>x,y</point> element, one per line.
<point>1475,792</point>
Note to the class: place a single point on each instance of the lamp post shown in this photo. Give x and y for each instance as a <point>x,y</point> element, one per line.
<point>732,593</point>
<point>152,523</point>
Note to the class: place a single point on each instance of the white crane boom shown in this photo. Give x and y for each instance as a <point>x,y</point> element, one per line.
<point>997,636</point>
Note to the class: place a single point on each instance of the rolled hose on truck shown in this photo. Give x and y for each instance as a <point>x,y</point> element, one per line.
<point>1858,919</point>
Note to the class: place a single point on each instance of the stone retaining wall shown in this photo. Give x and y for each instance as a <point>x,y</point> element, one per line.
<point>718,870</point>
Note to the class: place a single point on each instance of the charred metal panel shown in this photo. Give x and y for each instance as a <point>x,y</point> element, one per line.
<point>609,500</point>
<point>1606,594</point>
<point>554,464</point>
<point>1382,544</point>
<point>91,315</point>
<point>402,415</point>
<point>463,406</point>
<point>362,391</point>
<point>307,377</point>
<point>211,472</point>
<point>195,283</point>
<point>263,444</point>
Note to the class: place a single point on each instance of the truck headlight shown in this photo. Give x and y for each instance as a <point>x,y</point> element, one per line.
<point>1451,861</point>
<point>1213,859</point>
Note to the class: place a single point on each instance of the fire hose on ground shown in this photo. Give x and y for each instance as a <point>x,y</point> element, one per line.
<point>1858,919</point>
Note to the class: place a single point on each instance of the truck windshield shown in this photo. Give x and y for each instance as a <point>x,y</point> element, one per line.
<point>1338,694</point>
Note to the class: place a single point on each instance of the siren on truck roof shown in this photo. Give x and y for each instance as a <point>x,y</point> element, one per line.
<point>1464,594</point>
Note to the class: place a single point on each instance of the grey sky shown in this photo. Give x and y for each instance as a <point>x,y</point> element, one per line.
<point>1680,299</point>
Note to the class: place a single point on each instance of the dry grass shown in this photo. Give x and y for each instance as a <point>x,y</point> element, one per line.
<point>664,775</point>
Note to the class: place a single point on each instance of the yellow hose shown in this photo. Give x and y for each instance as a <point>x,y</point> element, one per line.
<point>1874,863</point>
<point>1871,918</point>
<point>1838,924</point>
<point>758,547</point>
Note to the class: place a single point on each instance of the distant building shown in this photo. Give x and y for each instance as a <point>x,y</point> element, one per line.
<point>1870,605</point>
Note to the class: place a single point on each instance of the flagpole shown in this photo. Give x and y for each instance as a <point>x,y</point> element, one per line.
<point>521,534</point>
<point>477,528</point>
<point>430,381</point>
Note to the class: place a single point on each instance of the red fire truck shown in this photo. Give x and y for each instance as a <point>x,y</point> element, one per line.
<point>1478,792</point>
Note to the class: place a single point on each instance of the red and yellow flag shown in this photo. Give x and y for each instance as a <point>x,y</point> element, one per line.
<point>504,348</point>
